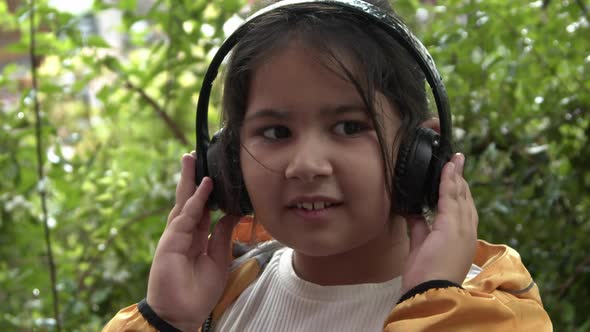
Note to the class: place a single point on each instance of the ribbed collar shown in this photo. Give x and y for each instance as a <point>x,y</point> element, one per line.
<point>358,292</point>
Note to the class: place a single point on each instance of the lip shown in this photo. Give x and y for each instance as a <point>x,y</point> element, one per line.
<point>314,216</point>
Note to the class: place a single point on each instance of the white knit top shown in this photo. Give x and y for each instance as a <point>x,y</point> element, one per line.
<point>281,301</point>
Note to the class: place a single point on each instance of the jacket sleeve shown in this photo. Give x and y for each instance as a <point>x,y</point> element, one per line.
<point>129,319</point>
<point>503,297</point>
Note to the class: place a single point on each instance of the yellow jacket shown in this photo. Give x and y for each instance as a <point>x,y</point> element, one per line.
<point>503,297</point>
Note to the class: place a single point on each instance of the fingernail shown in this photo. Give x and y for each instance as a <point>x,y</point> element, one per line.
<point>460,163</point>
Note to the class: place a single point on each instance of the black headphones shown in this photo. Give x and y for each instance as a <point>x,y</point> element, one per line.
<point>422,152</point>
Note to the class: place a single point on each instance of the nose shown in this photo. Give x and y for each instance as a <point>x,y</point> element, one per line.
<point>309,161</point>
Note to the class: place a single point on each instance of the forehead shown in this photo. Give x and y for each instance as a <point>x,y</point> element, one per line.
<point>299,75</point>
<point>298,80</point>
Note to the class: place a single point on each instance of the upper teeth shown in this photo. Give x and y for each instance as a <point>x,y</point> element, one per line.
<point>314,205</point>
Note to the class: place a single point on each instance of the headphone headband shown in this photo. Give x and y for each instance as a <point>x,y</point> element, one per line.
<point>389,23</point>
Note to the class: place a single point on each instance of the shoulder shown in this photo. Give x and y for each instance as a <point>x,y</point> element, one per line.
<point>501,297</point>
<point>250,241</point>
<point>261,254</point>
<point>248,264</point>
<point>501,270</point>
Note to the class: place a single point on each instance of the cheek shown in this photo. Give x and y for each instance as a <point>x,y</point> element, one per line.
<point>258,181</point>
<point>248,175</point>
<point>368,180</point>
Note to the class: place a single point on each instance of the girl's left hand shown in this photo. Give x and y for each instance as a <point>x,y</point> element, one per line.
<point>445,250</point>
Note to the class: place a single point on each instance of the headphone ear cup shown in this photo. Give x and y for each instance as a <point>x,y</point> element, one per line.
<point>440,157</point>
<point>417,172</point>
<point>216,198</point>
<point>229,191</point>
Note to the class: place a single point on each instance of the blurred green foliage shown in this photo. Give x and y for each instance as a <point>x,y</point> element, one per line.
<point>115,125</point>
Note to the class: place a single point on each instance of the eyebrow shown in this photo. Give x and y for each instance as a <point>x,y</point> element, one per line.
<point>267,113</point>
<point>284,114</point>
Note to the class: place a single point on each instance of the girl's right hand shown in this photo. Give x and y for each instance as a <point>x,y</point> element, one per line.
<point>190,269</point>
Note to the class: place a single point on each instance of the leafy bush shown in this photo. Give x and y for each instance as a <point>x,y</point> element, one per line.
<point>115,121</point>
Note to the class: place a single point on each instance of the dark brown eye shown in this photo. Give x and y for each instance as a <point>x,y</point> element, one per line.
<point>276,132</point>
<point>349,128</point>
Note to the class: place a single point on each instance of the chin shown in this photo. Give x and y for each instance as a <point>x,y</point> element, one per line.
<point>321,248</point>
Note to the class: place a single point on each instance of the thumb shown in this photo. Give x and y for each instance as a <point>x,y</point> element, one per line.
<point>419,230</point>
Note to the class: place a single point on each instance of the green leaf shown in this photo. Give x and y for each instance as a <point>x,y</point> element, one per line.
<point>96,41</point>
<point>128,5</point>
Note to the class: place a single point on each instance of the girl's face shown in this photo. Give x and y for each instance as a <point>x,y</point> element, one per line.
<point>310,156</point>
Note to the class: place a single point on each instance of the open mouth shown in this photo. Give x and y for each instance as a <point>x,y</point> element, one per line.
<point>313,206</point>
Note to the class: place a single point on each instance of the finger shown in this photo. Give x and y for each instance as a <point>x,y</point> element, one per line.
<point>472,218</point>
<point>219,243</point>
<point>200,235</point>
<point>186,185</point>
<point>418,232</point>
<point>466,205</point>
<point>448,208</point>
<point>462,189</point>
<point>471,202</point>
<point>464,224</point>
<point>448,188</point>
<point>192,212</point>
<point>459,161</point>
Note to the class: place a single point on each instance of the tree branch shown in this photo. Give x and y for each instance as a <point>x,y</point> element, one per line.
<point>40,172</point>
<point>93,259</point>
<point>160,112</point>
<point>562,290</point>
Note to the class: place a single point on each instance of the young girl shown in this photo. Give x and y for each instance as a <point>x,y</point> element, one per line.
<point>316,107</point>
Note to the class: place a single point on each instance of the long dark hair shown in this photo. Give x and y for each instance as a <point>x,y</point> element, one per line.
<point>379,64</point>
